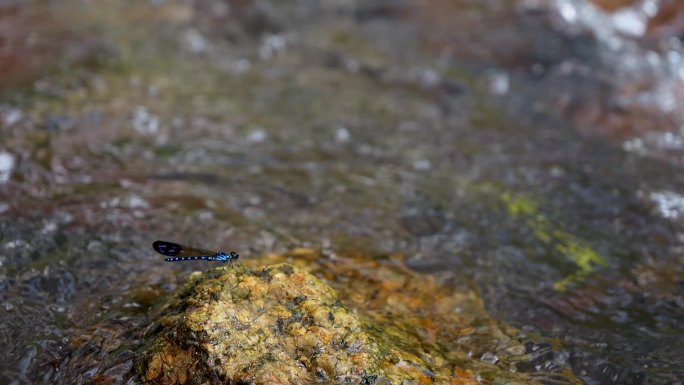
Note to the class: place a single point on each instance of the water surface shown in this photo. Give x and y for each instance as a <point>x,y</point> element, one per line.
<point>534,155</point>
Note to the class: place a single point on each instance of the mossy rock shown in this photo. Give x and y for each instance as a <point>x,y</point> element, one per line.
<point>277,324</point>
<point>281,324</point>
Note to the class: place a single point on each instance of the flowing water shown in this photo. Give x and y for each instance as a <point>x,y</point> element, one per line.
<point>534,149</point>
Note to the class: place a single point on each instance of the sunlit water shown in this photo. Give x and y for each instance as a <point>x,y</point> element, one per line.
<point>531,149</point>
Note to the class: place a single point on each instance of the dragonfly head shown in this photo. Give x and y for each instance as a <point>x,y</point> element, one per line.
<point>234,255</point>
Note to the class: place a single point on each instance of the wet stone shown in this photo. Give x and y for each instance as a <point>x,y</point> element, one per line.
<point>243,328</point>
<point>306,318</point>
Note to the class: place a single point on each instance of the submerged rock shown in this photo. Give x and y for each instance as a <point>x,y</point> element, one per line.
<point>281,324</point>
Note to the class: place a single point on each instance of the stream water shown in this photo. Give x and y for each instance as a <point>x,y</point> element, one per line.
<point>532,148</point>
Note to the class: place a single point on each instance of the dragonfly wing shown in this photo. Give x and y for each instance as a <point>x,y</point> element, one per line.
<point>188,251</point>
<point>177,250</point>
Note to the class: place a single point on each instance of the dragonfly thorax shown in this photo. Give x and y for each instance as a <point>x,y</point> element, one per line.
<point>221,256</point>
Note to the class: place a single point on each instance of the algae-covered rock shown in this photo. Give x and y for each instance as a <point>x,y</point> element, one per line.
<point>277,324</point>
<point>364,321</point>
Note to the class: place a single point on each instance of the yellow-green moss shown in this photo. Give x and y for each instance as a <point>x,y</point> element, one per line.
<point>582,255</point>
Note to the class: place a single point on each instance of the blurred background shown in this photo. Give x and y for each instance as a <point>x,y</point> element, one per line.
<point>531,148</point>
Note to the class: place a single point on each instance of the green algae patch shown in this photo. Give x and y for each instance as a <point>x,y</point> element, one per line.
<point>584,257</point>
<point>315,319</point>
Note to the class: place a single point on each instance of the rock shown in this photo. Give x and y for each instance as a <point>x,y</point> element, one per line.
<point>277,324</point>
<point>281,324</point>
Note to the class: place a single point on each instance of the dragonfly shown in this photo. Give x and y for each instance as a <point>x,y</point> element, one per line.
<point>176,252</point>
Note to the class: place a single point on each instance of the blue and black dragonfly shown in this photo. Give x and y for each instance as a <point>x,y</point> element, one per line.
<point>176,252</point>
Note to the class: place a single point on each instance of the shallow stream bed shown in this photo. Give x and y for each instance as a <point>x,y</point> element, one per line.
<point>505,149</point>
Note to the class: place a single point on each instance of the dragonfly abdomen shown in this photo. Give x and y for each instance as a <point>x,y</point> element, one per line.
<point>195,258</point>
